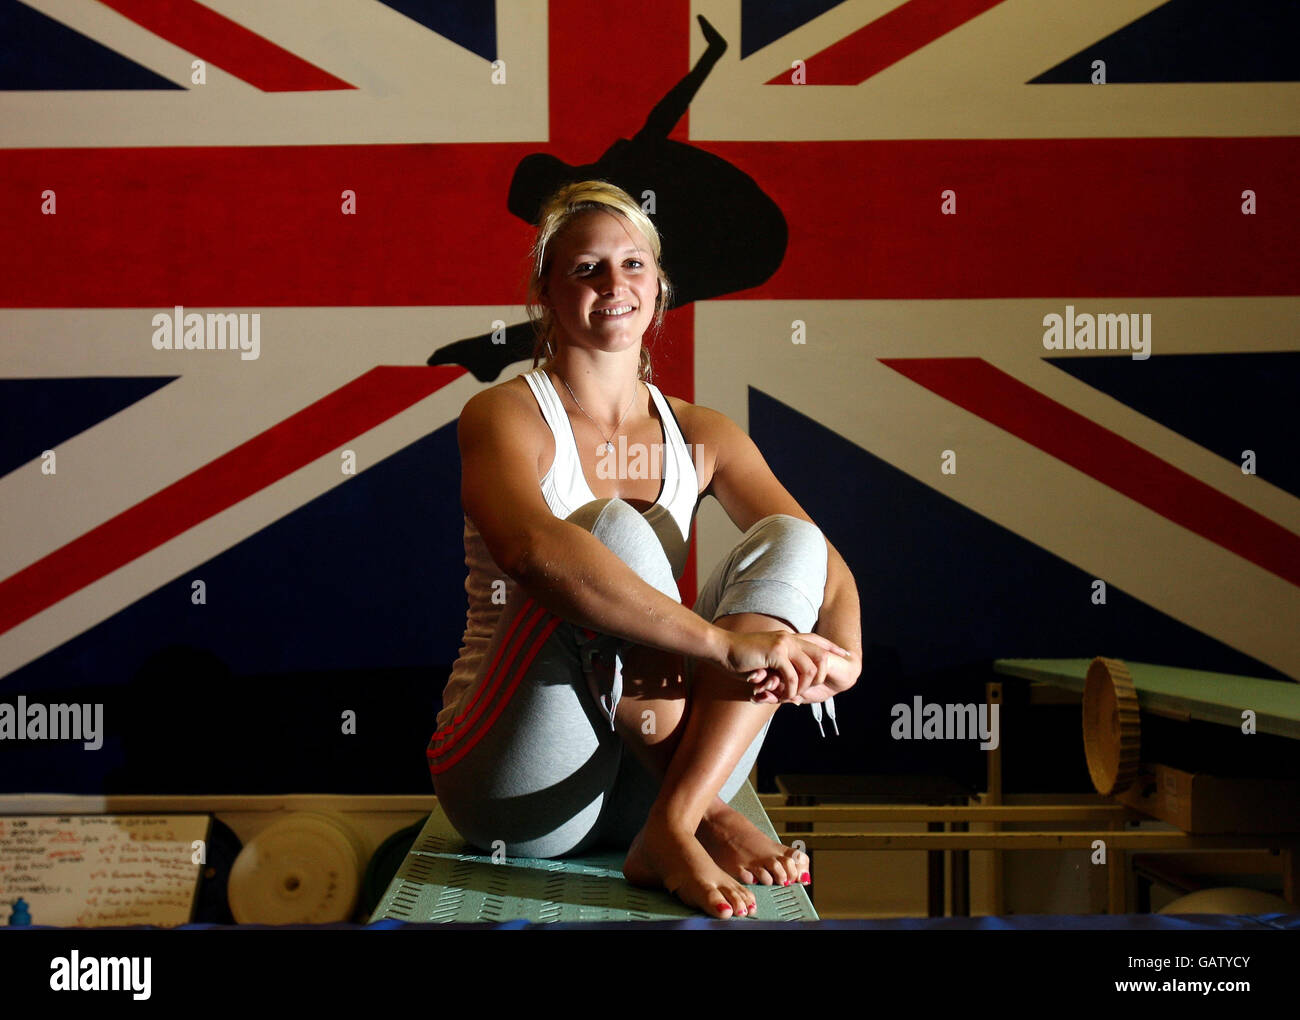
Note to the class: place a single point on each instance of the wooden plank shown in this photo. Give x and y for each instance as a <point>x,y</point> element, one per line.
<point>1183,693</point>
<point>1291,876</point>
<point>997,878</point>
<point>1198,802</point>
<point>1222,862</point>
<point>974,813</point>
<point>1117,882</point>
<point>1131,839</point>
<point>1047,694</point>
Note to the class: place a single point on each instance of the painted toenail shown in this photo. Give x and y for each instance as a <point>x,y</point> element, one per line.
<point>805,877</point>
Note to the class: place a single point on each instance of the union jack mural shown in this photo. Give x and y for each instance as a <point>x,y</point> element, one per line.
<point>878,207</point>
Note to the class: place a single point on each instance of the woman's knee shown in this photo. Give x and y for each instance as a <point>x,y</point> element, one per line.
<point>610,519</point>
<point>628,535</point>
<point>800,536</point>
<point>779,569</point>
<point>789,544</point>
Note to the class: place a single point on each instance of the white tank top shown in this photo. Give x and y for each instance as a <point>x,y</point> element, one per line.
<point>565,486</point>
<point>565,489</point>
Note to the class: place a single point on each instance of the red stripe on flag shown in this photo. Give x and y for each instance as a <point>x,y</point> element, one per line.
<point>227,44</point>
<point>627,64</point>
<point>1055,218</point>
<point>266,458</point>
<point>885,41</point>
<point>1003,400</point>
<point>261,226</point>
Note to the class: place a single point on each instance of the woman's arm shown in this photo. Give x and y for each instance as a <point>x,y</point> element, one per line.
<point>748,491</point>
<point>566,568</point>
<point>841,620</point>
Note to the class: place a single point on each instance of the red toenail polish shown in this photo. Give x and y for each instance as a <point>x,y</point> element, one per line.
<point>805,877</point>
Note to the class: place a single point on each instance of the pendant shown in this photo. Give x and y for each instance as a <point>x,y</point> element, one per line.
<point>609,447</point>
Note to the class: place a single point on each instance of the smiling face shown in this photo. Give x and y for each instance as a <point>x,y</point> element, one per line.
<point>602,282</point>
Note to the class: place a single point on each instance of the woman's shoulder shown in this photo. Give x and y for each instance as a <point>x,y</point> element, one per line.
<point>710,434</point>
<point>699,421</point>
<point>509,393</point>
<point>509,404</point>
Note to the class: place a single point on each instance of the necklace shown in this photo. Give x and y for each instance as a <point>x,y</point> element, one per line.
<point>608,446</point>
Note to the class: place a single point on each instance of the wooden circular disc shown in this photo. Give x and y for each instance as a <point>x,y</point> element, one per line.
<point>1112,734</point>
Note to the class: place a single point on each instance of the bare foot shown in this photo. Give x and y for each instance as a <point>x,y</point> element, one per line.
<point>744,852</point>
<point>661,857</point>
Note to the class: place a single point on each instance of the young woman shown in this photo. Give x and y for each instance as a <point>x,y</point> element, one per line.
<point>588,705</point>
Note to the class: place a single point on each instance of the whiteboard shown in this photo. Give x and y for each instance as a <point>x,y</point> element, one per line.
<point>97,870</point>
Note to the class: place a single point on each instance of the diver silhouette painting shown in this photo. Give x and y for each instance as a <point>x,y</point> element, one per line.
<point>729,234</point>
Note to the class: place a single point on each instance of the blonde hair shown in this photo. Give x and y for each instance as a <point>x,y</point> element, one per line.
<point>556,213</point>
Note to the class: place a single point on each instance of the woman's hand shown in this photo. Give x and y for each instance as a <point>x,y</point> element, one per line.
<point>842,674</point>
<point>798,668</point>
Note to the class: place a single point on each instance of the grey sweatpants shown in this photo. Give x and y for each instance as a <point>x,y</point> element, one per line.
<point>531,758</point>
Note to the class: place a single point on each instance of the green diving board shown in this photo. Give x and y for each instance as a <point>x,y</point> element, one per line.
<point>1183,693</point>
<point>442,881</point>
